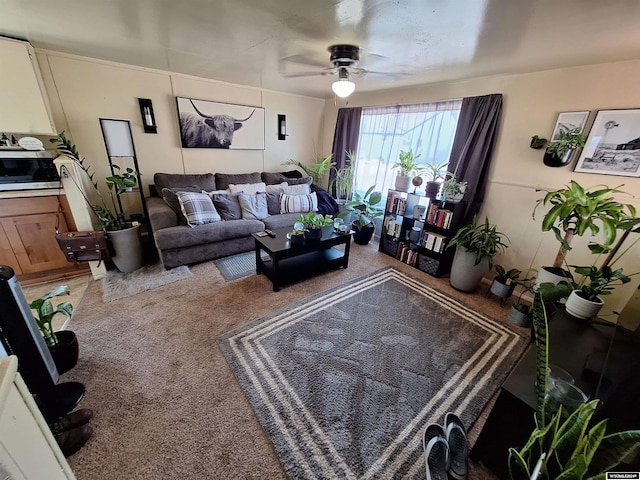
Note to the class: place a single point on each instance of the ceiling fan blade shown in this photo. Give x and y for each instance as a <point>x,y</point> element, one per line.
<point>304,60</point>
<point>328,71</point>
<point>371,73</point>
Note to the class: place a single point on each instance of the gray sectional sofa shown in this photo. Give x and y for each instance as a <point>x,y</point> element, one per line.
<point>180,244</point>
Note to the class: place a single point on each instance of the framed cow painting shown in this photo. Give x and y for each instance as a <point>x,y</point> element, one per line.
<point>206,124</point>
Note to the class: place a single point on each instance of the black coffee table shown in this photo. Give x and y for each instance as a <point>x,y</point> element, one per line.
<point>290,263</point>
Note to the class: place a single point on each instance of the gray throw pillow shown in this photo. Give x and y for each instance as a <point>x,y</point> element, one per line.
<point>227,205</point>
<point>299,181</point>
<point>170,198</point>
<point>205,181</point>
<point>254,206</point>
<point>273,203</point>
<point>271,178</point>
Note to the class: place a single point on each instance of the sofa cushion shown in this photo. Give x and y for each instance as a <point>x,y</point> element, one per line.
<point>227,205</point>
<point>197,208</point>
<point>170,197</point>
<point>302,189</point>
<point>254,206</point>
<point>223,180</point>
<point>205,181</point>
<point>271,178</point>
<point>277,187</point>
<point>184,236</point>
<point>298,203</point>
<point>285,220</point>
<point>248,187</point>
<point>273,203</point>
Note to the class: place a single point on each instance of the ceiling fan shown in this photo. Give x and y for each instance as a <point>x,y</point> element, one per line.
<point>344,59</point>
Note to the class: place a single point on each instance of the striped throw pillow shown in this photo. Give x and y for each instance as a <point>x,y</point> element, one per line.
<point>197,208</point>
<point>298,203</point>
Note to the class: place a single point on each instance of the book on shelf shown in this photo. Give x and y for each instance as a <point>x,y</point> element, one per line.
<point>396,203</point>
<point>392,224</point>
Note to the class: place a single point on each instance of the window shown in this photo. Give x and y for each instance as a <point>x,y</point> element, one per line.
<point>428,129</point>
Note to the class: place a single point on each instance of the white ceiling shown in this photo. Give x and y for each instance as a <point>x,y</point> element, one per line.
<point>244,41</point>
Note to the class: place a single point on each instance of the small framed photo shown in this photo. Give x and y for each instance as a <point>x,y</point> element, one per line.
<point>613,145</point>
<point>568,121</point>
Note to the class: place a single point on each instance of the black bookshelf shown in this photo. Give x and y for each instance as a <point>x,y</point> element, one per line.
<point>416,230</point>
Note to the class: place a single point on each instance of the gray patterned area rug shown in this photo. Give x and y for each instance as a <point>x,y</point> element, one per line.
<point>237,266</point>
<point>345,381</point>
<point>117,285</point>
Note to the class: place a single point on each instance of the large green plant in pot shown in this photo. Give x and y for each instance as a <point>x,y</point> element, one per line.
<point>364,210</point>
<point>476,245</point>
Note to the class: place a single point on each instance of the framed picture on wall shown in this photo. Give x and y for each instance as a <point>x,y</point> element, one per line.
<point>613,145</point>
<point>568,121</point>
<point>206,124</point>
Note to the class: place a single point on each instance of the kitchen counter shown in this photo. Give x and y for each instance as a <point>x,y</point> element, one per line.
<point>43,192</point>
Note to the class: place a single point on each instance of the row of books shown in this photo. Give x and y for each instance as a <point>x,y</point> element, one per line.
<point>432,241</point>
<point>392,224</point>
<point>439,217</point>
<point>396,203</point>
<point>406,255</point>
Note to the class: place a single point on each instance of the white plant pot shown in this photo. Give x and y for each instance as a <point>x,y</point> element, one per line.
<point>466,276</point>
<point>403,183</point>
<point>127,246</point>
<point>545,276</point>
<point>581,308</point>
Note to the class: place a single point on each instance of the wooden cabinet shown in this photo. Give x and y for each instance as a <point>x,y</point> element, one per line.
<point>416,230</point>
<point>27,234</point>
<point>25,106</point>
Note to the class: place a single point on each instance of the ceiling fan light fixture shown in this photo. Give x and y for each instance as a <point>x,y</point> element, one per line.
<point>343,88</point>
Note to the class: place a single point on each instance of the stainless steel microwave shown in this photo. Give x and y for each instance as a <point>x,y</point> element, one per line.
<point>26,170</point>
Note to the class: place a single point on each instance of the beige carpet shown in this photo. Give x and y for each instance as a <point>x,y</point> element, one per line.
<point>167,404</point>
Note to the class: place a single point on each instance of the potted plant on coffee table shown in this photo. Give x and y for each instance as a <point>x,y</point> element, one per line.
<point>316,225</point>
<point>476,245</point>
<point>364,210</point>
<point>124,238</point>
<point>407,167</point>
<point>63,344</point>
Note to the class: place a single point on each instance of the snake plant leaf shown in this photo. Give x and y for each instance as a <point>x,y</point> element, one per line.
<point>574,470</point>
<point>613,448</point>
<point>572,431</point>
<point>594,439</point>
<point>541,329</point>
<point>518,469</point>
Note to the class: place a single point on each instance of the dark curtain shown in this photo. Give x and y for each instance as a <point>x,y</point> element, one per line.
<point>345,138</point>
<point>473,146</point>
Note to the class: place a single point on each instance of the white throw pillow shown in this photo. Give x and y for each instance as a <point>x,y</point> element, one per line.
<point>254,206</point>
<point>248,187</point>
<point>197,208</point>
<point>278,188</point>
<point>302,189</point>
<point>298,203</point>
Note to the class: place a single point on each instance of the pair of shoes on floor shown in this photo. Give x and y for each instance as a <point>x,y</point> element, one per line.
<point>446,449</point>
<point>71,431</point>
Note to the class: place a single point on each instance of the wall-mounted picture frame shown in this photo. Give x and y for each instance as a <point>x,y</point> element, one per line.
<point>613,144</point>
<point>568,121</point>
<point>207,124</point>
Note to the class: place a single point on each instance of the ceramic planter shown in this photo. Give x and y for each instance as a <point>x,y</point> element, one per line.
<point>432,189</point>
<point>128,249</point>
<point>363,234</point>
<point>553,275</point>
<point>327,231</point>
<point>465,275</point>
<point>403,183</point>
<point>502,290</point>
<point>313,234</point>
<point>516,317</point>
<point>552,160</point>
<point>579,307</point>
<point>65,354</point>
<point>296,239</point>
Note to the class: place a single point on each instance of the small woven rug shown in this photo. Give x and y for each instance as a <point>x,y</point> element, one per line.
<point>345,381</point>
<point>117,285</point>
<point>237,266</point>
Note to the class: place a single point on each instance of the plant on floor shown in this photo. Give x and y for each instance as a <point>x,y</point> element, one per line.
<point>44,312</point>
<point>342,184</point>
<point>506,276</point>
<point>562,446</point>
<point>111,218</point>
<point>483,241</point>
<point>122,182</point>
<point>317,169</point>
<point>364,207</point>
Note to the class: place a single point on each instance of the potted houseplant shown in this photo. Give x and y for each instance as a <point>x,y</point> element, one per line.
<point>63,344</point>
<point>317,170</point>
<point>560,152</point>
<point>407,167</point>
<point>434,172</point>
<point>342,184</point>
<point>314,225</point>
<point>576,210</point>
<point>565,445</point>
<point>122,182</point>
<point>504,283</point>
<point>124,238</point>
<point>452,190</point>
<point>476,246</point>
<point>296,235</point>
<point>364,210</point>
<point>521,313</point>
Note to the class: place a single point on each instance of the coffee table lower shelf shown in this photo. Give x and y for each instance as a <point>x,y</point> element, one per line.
<point>290,270</point>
